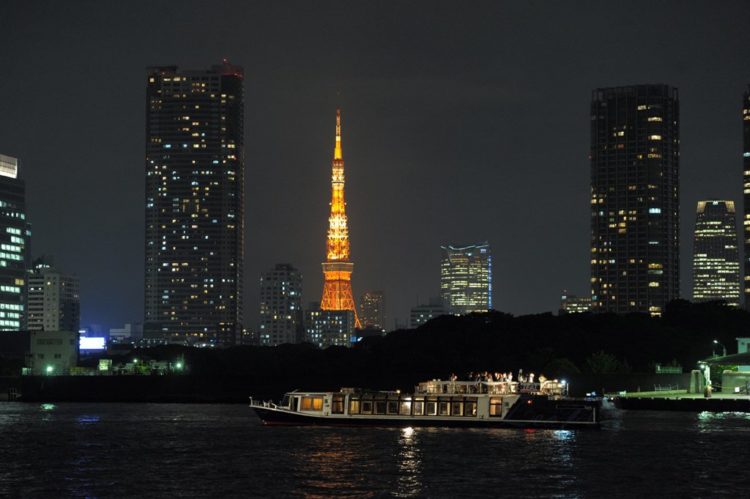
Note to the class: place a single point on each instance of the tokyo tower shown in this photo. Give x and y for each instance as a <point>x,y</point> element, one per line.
<point>337,269</point>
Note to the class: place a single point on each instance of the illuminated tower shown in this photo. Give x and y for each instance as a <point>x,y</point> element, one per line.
<point>337,269</point>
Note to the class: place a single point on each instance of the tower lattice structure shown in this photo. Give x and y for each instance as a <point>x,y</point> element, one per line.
<point>337,269</point>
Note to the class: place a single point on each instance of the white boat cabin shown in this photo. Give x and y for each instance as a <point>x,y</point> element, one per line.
<point>432,399</point>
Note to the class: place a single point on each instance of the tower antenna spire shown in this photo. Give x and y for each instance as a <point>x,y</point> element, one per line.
<point>337,154</point>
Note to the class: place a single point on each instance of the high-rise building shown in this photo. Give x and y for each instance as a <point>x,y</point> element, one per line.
<point>281,313</point>
<point>53,299</point>
<point>466,278</point>
<point>572,304</point>
<point>635,214</point>
<point>746,192</point>
<point>338,268</point>
<point>15,236</point>
<point>716,263</point>
<point>423,313</point>
<point>194,204</point>
<point>372,310</point>
<point>326,328</point>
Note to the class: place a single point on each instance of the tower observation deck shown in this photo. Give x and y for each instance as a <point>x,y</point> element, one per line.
<point>337,269</point>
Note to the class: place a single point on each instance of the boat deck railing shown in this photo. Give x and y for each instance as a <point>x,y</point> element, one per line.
<point>436,386</point>
<point>262,403</point>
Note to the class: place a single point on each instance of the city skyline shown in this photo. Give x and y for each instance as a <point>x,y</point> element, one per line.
<point>421,145</point>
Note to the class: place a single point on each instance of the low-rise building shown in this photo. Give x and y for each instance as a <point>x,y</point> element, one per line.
<point>572,304</point>
<point>326,328</point>
<point>423,313</point>
<point>52,352</point>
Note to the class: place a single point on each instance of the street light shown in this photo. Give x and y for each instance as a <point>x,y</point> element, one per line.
<point>717,342</point>
<point>50,369</point>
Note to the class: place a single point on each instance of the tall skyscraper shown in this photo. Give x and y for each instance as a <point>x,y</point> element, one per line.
<point>281,313</point>
<point>372,310</point>
<point>15,235</point>
<point>338,268</point>
<point>746,192</point>
<point>466,278</point>
<point>194,204</point>
<point>716,263</point>
<point>635,214</point>
<point>53,299</point>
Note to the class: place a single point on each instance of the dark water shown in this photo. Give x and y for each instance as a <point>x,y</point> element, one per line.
<point>167,450</point>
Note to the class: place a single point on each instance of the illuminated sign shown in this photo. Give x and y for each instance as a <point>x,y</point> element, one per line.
<point>92,343</point>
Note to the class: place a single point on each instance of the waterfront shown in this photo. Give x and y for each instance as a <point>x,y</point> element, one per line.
<point>112,450</point>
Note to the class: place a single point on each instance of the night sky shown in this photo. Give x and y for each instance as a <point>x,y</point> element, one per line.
<point>462,122</point>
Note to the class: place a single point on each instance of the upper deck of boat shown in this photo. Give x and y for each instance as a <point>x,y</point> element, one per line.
<point>437,386</point>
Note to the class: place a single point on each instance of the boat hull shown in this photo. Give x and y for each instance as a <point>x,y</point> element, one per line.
<point>544,414</point>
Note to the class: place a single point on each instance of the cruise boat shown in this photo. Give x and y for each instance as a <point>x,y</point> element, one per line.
<point>437,403</point>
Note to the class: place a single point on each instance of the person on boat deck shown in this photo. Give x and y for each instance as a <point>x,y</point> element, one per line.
<point>531,378</point>
<point>521,379</point>
<point>454,377</point>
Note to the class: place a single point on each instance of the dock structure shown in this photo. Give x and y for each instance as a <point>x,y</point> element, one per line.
<point>681,400</point>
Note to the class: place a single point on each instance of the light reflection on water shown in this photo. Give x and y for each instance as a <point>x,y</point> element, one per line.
<point>218,451</point>
<point>409,464</point>
<point>87,419</point>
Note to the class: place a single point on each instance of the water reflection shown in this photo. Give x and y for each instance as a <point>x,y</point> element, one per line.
<point>409,464</point>
<point>564,435</point>
<point>332,461</point>
<point>87,419</point>
<point>709,422</point>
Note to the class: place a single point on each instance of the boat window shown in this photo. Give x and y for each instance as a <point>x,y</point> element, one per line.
<point>337,404</point>
<point>443,408</point>
<point>496,406</point>
<point>392,407</point>
<point>311,404</point>
<point>367,407</point>
<point>354,406</point>
<point>431,408</point>
<point>470,408</point>
<point>405,409</point>
<point>457,408</point>
<point>285,401</point>
<point>380,407</point>
<point>418,408</point>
